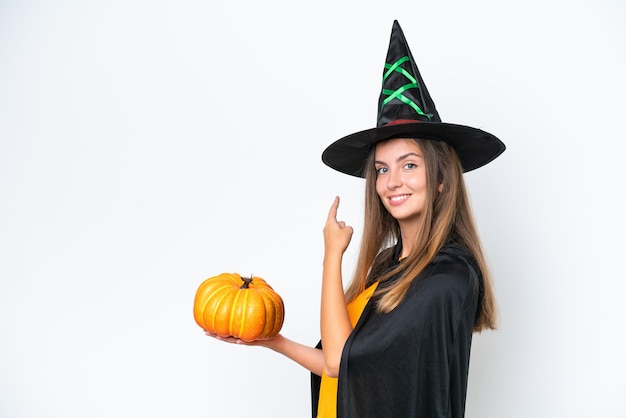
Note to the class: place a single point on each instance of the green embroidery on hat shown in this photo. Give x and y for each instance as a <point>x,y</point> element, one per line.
<point>394,67</point>
<point>397,94</point>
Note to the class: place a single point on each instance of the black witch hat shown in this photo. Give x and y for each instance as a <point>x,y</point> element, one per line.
<point>405,109</point>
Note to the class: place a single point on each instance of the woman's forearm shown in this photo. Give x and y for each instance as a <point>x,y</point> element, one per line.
<point>308,357</point>
<point>335,324</point>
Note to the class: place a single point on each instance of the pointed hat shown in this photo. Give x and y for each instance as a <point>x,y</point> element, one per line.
<point>405,109</point>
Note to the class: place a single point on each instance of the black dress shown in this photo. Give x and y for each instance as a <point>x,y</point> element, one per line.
<point>413,361</point>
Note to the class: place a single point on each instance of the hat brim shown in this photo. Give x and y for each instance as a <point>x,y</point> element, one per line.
<point>474,147</point>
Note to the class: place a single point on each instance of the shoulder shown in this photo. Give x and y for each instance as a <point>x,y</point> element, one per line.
<point>453,269</point>
<point>454,254</point>
<point>456,250</point>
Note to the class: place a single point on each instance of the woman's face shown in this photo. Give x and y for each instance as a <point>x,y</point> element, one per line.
<point>401,178</point>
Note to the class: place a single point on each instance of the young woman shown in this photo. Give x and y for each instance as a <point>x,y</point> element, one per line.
<point>397,342</point>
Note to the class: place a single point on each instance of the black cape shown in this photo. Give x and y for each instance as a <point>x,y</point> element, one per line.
<point>413,361</point>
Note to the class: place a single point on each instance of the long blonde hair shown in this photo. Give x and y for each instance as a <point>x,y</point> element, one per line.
<point>447,216</point>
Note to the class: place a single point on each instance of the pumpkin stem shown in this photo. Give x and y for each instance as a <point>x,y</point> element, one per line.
<point>247,281</point>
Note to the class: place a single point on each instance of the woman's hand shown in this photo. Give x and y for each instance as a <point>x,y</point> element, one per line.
<point>233,340</point>
<point>310,358</point>
<point>337,234</point>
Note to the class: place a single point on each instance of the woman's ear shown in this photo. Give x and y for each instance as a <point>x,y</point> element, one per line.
<point>440,187</point>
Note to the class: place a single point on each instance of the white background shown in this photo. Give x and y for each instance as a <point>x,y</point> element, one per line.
<point>148,145</point>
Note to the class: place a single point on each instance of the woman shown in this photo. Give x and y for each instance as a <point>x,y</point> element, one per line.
<point>397,342</point>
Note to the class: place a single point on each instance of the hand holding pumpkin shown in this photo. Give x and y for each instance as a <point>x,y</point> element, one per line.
<point>233,340</point>
<point>244,308</point>
<point>267,343</point>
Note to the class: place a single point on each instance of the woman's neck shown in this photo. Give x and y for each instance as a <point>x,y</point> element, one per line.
<point>409,237</point>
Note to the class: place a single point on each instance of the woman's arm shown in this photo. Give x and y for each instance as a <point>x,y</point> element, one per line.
<point>308,357</point>
<point>334,320</point>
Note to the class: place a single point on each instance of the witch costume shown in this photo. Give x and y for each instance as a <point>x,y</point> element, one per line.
<point>414,360</point>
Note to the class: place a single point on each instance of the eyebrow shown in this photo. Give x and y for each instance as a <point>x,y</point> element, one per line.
<point>401,158</point>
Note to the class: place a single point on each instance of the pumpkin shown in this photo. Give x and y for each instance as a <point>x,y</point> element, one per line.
<point>246,308</point>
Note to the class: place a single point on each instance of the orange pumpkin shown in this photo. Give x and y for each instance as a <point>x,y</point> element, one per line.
<point>242,307</point>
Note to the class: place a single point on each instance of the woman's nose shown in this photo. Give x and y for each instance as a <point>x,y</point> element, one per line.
<point>394,179</point>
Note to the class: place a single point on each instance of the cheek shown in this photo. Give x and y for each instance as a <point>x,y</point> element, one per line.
<point>417,184</point>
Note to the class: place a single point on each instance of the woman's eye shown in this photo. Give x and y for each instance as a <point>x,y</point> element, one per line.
<point>410,166</point>
<point>381,170</point>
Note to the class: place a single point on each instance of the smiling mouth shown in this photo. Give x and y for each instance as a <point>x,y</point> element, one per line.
<point>399,199</point>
